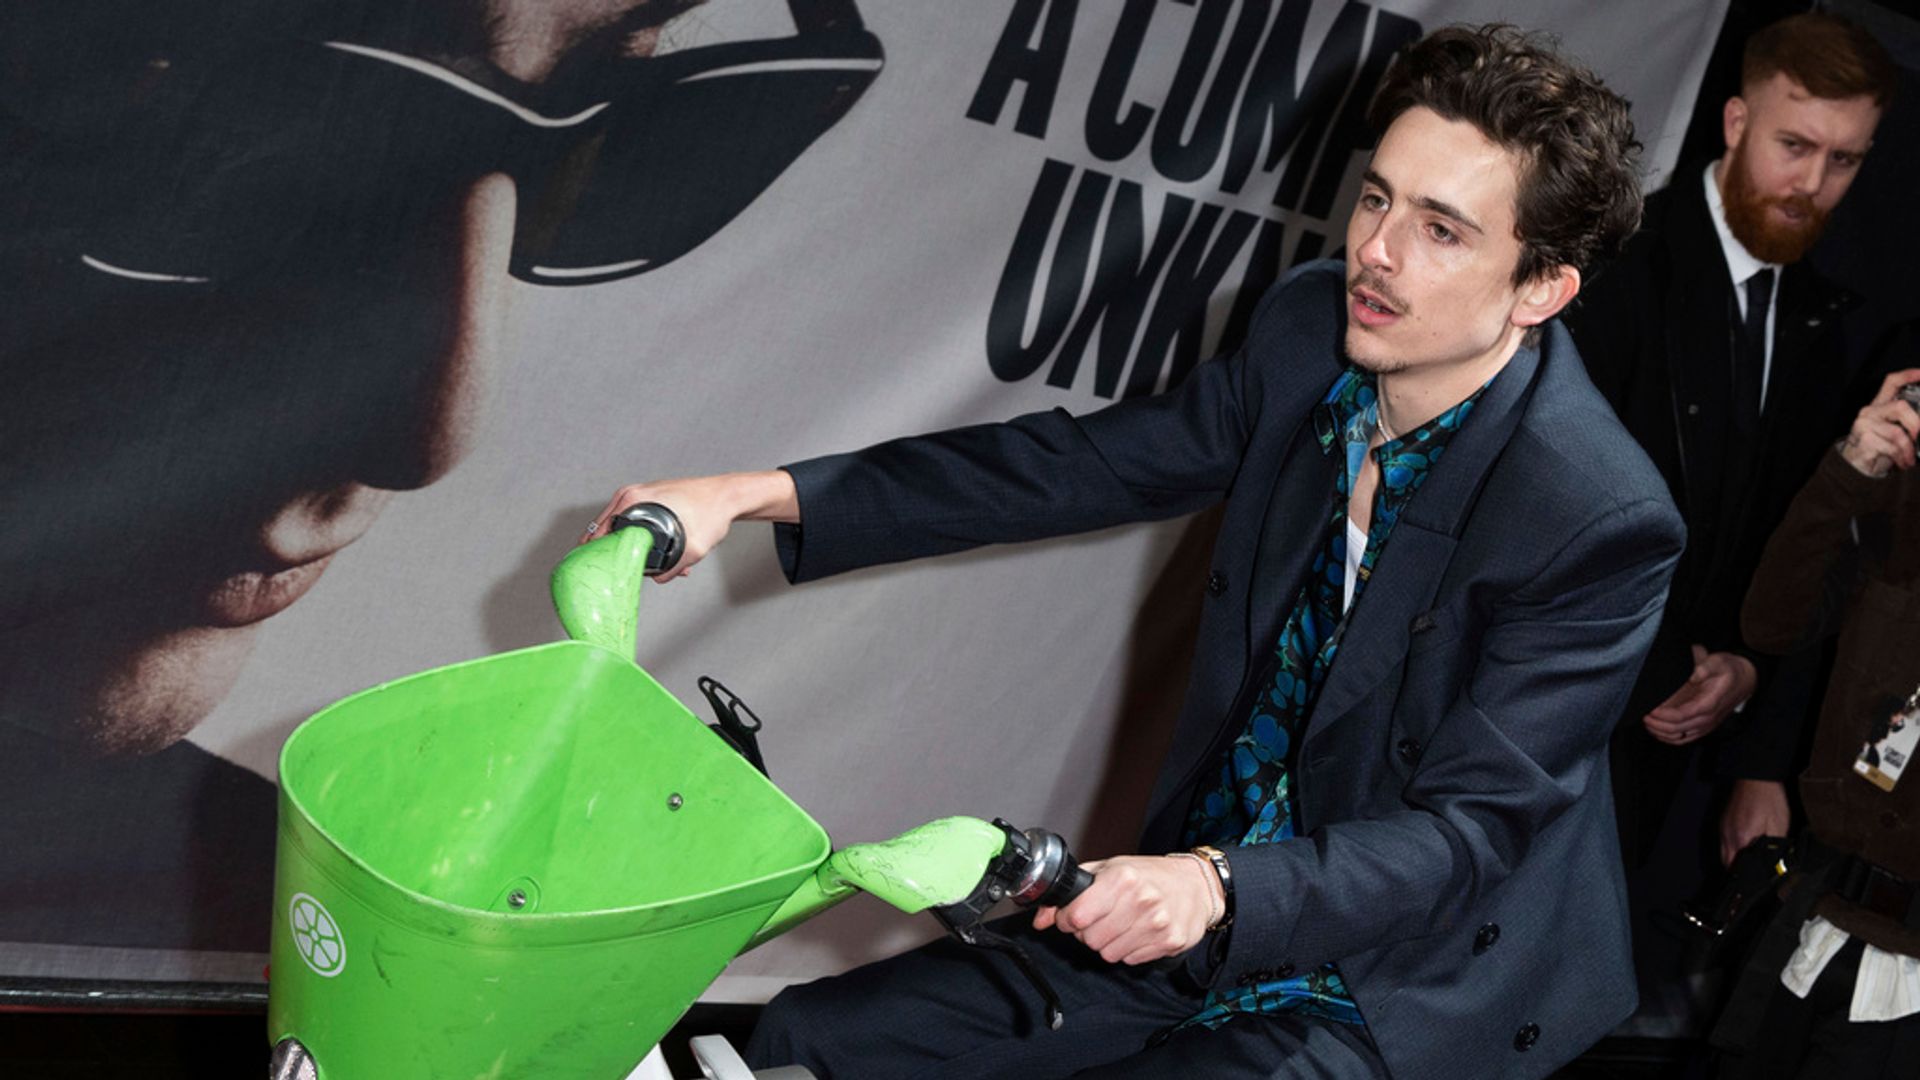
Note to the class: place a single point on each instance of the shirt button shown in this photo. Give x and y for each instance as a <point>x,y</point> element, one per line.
<point>1524,1039</point>
<point>1409,751</point>
<point>1216,584</point>
<point>1693,410</point>
<point>1484,940</point>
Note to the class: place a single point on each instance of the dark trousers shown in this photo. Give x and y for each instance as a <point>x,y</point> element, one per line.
<point>949,1011</point>
<point>1811,1038</point>
<point>1648,776</point>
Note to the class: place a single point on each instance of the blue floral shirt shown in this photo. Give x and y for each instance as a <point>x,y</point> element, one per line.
<point>1253,802</point>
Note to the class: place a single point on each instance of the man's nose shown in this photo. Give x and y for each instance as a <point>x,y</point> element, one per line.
<point>1812,176</point>
<point>530,37</point>
<point>433,427</point>
<point>1374,250</point>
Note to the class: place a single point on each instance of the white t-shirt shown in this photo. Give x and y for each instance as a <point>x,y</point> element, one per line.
<point>1356,547</point>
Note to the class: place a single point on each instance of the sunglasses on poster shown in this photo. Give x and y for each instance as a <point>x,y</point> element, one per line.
<point>305,155</point>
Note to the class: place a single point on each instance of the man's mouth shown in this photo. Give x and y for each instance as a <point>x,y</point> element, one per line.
<point>291,551</point>
<point>252,596</point>
<point>1369,308</point>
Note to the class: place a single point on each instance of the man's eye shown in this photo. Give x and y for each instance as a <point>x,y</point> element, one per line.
<point>1845,160</point>
<point>1443,234</point>
<point>1373,200</point>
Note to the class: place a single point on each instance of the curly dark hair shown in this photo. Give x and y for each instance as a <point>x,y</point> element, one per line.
<point>1579,197</point>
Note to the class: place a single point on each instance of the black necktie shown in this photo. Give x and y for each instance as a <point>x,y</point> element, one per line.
<point>1750,358</point>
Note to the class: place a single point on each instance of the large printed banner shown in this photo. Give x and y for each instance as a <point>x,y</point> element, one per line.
<point>329,325</point>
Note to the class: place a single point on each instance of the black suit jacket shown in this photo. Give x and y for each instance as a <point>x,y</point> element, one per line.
<point>1456,849</point>
<point>1655,334</point>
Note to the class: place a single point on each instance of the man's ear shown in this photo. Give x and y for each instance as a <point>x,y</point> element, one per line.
<point>1543,297</point>
<point>1733,120</point>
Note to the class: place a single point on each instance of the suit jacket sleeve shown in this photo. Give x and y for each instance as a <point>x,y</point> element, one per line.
<point>1797,597</point>
<point>1043,474</point>
<point>1524,739</point>
<point>1800,588</point>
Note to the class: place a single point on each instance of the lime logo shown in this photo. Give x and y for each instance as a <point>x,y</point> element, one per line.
<point>316,936</point>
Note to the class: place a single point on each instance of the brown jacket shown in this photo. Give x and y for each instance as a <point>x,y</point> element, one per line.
<point>1807,585</point>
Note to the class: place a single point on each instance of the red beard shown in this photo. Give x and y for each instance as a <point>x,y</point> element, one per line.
<point>1764,236</point>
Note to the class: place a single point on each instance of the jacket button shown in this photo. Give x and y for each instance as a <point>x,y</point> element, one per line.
<point>1285,970</point>
<point>1216,584</point>
<point>1693,410</point>
<point>1524,1039</point>
<point>1890,820</point>
<point>1484,940</point>
<point>1409,751</point>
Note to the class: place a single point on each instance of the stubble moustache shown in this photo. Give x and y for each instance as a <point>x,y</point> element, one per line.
<point>1767,239</point>
<point>1374,365</point>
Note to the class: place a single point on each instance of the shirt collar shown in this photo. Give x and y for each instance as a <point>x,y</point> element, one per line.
<point>1741,263</point>
<point>1350,411</point>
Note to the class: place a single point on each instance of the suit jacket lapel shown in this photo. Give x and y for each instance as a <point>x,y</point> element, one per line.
<point>1798,371</point>
<point>1298,502</point>
<point>1290,535</point>
<point>1699,353</point>
<point>1409,569</point>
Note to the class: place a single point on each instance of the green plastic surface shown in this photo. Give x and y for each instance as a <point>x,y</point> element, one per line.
<point>531,864</point>
<point>525,865</point>
<point>596,589</point>
<point>932,865</point>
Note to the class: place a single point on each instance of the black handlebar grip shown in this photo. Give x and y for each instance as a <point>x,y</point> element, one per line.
<point>669,536</point>
<point>1076,883</point>
<point>1070,884</point>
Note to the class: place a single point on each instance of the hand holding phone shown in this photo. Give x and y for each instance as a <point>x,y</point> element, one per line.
<point>1884,434</point>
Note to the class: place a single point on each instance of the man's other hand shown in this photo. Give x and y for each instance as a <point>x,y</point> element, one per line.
<point>1139,908</point>
<point>1720,682</point>
<point>707,507</point>
<point>1756,808</point>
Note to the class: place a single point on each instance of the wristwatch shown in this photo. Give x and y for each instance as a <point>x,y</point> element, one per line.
<point>1225,873</point>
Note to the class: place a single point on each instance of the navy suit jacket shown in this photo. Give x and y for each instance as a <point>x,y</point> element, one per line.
<point>1456,852</point>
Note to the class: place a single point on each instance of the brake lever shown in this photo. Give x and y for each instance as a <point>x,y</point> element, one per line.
<point>983,938</point>
<point>1033,868</point>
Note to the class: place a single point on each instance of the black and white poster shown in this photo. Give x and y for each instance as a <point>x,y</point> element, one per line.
<point>330,323</point>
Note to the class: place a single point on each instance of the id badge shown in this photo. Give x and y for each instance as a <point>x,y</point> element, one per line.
<point>1883,759</point>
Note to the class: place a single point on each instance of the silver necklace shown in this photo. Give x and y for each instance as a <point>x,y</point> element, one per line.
<point>1380,421</point>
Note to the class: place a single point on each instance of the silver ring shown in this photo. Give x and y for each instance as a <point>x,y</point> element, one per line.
<point>593,526</point>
